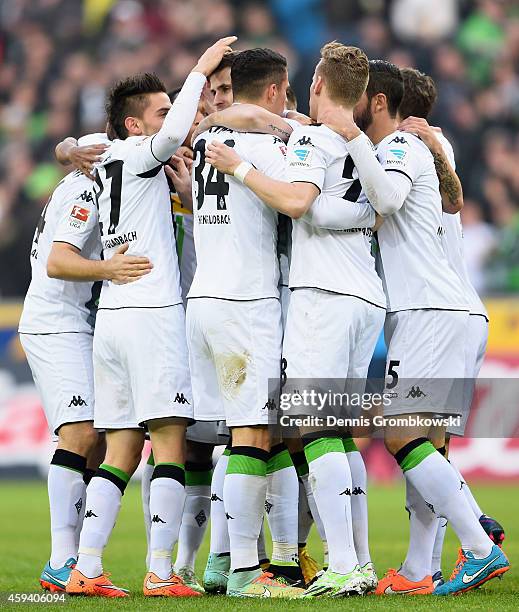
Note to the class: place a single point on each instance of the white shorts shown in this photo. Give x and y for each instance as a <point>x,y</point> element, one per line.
<point>141,366</point>
<point>234,349</point>
<point>475,348</point>
<point>61,365</point>
<point>423,346</point>
<point>208,432</point>
<point>330,336</point>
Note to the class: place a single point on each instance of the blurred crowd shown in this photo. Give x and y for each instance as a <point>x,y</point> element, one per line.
<point>57,58</point>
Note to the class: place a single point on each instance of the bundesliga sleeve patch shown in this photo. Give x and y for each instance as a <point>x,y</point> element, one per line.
<point>80,214</point>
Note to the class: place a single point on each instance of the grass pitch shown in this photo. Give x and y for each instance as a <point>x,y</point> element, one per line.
<point>25,547</point>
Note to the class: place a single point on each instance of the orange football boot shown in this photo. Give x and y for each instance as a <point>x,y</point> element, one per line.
<point>394,583</point>
<point>101,586</point>
<point>174,586</point>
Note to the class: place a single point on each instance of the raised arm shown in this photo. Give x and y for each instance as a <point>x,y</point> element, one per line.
<point>247,118</point>
<point>181,115</point>
<point>450,184</point>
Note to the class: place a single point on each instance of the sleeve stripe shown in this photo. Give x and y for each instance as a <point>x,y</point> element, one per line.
<point>151,149</point>
<point>309,183</point>
<point>70,243</point>
<point>399,171</point>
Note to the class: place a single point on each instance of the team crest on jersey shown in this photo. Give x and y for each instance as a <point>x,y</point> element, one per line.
<point>80,214</point>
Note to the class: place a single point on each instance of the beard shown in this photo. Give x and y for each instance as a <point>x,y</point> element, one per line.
<point>364,119</point>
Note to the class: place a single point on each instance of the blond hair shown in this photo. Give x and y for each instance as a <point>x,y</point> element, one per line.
<point>345,72</point>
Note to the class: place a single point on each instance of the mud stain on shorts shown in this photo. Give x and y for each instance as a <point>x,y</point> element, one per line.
<point>232,372</point>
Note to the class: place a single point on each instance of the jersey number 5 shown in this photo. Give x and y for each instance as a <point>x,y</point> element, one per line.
<point>218,187</point>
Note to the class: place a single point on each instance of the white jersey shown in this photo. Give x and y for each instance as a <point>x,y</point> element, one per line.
<point>452,240</point>
<point>415,270</point>
<point>235,232</point>
<point>135,208</point>
<point>332,260</point>
<point>52,305</point>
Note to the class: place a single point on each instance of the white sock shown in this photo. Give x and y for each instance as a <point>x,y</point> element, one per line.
<point>281,505</point>
<point>359,506</point>
<point>313,507</point>
<point>439,485</point>
<point>304,515</point>
<point>219,531</point>
<point>330,478</point>
<point>103,503</point>
<point>244,492</point>
<point>436,565</point>
<point>468,493</point>
<point>167,498</point>
<point>66,499</point>
<point>194,522</point>
<point>145,496</point>
<point>262,551</point>
<point>423,526</point>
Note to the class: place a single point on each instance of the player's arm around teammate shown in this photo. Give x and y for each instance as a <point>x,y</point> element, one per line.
<point>450,184</point>
<point>66,262</point>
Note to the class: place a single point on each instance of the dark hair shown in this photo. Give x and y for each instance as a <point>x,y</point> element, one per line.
<point>252,70</point>
<point>173,94</point>
<point>419,94</point>
<point>291,99</point>
<point>128,98</point>
<point>227,61</point>
<point>386,78</point>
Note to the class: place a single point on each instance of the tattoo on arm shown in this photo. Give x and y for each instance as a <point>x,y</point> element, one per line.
<point>279,130</point>
<point>449,182</point>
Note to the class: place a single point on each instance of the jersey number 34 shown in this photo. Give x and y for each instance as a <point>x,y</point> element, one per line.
<point>218,187</point>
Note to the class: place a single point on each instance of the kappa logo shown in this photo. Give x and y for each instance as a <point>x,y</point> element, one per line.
<point>399,140</point>
<point>200,518</point>
<point>415,392</point>
<point>76,401</point>
<point>430,506</point>
<point>268,506</point>
<point>305,141</point>
<point>90,514</point>
<point>229,517</point>
<point>86,196</point>
<point>358,491</point>
<point>180,399</point>
<point>215,498</point>
<point>156,519</point>
<point>346,491</point>
<point>270,405</point>
<point>79,505</point>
